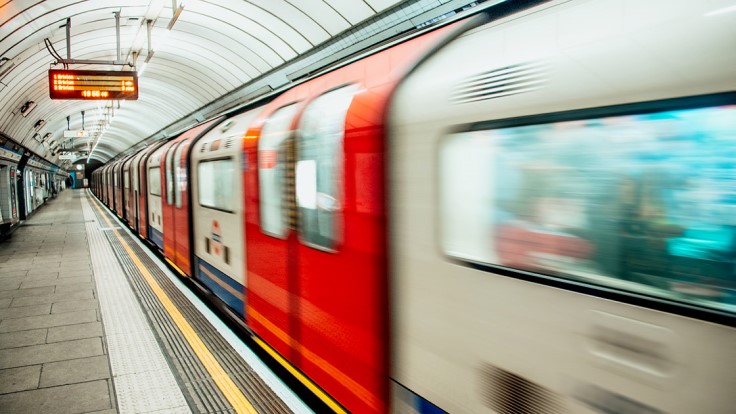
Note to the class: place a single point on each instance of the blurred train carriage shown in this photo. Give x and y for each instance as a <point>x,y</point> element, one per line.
<point>534,208</point>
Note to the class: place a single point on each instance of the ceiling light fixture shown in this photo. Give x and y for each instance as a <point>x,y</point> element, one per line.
<point>27,107</point>
<point>5,66</point>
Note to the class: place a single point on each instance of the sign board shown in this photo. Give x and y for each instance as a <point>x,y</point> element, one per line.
<point>68,156</point>
<point>10,155</point>
<point>76,134</point>
<point>92,84</point>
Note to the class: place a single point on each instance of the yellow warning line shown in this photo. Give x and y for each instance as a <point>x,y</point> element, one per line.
<point>336,407</point>
<point>181,272</point>
<point>222,379</point>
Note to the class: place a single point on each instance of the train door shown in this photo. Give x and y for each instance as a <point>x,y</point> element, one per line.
<point>111,186</point>
<point>272,280</point>
<point>143,197</point>
<point>127,192</point>
<point>29,190</point>
<point>155,191</point>
<point>319,210</point>
<point>14,193</point>
<point>338,190</point>
<point>182,217</point>
<point>121,188</point>
<point>135,186</point>
<point>103,183</point>
<point>108,186</point>
<point>117,189</point>
<point>167,206</point>
<point>41,192</point>
<point>143,180</point>
<point>181,210</point>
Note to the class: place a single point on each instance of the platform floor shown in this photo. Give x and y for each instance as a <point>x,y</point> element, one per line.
<point>92,322</point>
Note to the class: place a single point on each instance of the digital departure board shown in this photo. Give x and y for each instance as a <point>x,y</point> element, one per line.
<point>92,84</point>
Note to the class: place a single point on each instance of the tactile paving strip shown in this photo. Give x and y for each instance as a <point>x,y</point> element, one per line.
<point>201,389</point>
<point>142,379</point>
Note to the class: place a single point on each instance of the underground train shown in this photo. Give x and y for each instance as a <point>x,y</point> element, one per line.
<point>519,213</point>
<point>26,182</point>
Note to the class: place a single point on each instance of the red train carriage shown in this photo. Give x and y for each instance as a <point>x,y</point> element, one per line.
<point>315,225</point>
<point>175,204</point>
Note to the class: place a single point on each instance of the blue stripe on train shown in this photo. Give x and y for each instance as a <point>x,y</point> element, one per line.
<point>157,237</point>
<point>214,279</point>
<point>405,397</point>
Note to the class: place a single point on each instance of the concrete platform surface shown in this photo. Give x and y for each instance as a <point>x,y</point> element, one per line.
<point>53,357</point>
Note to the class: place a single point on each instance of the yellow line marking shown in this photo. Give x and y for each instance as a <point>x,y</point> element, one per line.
<point>350,384</point>
<point>181,272</point>
<point>222,379</point>
<point>336,407</point>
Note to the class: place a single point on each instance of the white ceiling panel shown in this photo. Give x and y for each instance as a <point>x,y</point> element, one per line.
<point>353,11</point>
<point>214,48</point>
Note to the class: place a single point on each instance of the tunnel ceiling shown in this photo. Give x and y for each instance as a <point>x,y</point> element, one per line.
<point>203,57</point>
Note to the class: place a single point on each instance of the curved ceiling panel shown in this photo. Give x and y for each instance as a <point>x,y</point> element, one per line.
<point>354,12</point>
<point>199,51</point>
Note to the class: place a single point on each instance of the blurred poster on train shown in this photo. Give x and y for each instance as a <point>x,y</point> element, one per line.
<point>644,202</point>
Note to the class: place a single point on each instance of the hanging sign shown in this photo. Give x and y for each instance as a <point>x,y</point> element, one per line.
<point>92,84</point>
<point>76,134</point>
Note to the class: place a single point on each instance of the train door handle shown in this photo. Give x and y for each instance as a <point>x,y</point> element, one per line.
<point>633,347</point>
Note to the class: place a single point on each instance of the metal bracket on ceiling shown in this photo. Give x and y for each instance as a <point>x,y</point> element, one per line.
<point>149,27</point>
<point>70,61</point>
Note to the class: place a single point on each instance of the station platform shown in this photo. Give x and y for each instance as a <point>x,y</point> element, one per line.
<point>92,322</point>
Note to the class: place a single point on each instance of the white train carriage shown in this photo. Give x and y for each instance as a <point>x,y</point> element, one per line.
<point>218,211</point>
<point>562,228</point>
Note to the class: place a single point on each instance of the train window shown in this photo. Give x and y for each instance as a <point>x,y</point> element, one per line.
<point>180,175</point>
<point>216,181</point>
<point>272,147</point>
<point>319,167</point>
<point>642,203</point>
<point>126,179</point>
<point>169,176</point>
<point>154,181</point>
